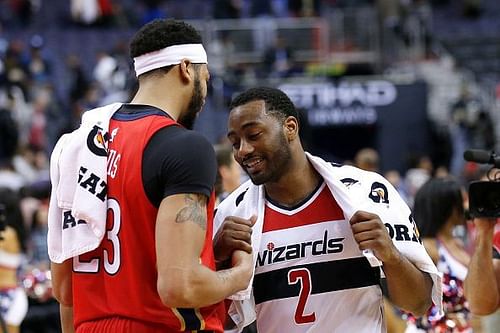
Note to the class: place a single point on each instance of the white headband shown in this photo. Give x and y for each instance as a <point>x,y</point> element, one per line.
<point>171,55</point>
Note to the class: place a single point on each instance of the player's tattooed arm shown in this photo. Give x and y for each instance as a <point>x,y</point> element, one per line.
<point>194,210</point>
<point>183,280</point>
<point>225,276</point>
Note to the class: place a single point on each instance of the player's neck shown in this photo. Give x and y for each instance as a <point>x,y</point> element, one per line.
<point>150,95</point>
<point>296,185</point>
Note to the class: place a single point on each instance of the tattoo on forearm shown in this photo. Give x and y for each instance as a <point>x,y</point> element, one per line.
<point>194,211</point>
<point>224,275</point>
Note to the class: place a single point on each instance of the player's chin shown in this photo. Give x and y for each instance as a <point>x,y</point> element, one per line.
<point>258,178</point>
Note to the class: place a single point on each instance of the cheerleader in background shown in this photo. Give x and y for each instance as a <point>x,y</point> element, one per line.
<point>438,209</point>
<point>13,300</point>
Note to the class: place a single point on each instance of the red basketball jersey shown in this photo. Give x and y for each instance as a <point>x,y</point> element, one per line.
<point>119,278</point>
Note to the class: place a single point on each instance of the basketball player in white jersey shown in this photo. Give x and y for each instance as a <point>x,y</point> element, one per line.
<point>310,271</point>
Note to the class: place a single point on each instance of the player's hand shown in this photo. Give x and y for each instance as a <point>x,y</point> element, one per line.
<point>243,262</point>
<point>235,234</point>
<point>370,234</point>
<point>485,225</point>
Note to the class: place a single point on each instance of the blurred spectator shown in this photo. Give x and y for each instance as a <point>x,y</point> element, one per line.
<point>92,12</point>
<point>123,77</point>
<point>394,177</point>
<point>13,301</point>
<point>78,82</point>
<point>107,12</point>
<point>367,159</point>
<point>38,64</point>
<point>31,162</point>
<point>91,99</point>
<point>16,73</point>
<point>122,16</point>
<point>38,228</point>
<point>278,59</point>
<point>221,54</point>
<point>85,12</point>
<point>462,112</point>
<point>229,172</point>
<point>104,69</point>
<point>390,15</point>
<point>18,13</point>
<point>37,134</point>
<point>223,74</point>
<point>24,10</point>
<point>419,172</point>
<point>438,210</point>
<point>46,120</point>
<point>9,178</point>
<point>9,133</point>
<point>442,172</point>
<point>43,311</point>
<point>441,147</point>
<point>78,85</point>
<point>419,21</point>
<point>4,44</point>
<point>22,111</point>
<point>483,132</point>
<point>111,75</point>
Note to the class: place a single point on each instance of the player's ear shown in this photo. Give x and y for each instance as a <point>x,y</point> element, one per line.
<point>186,70</point>
<point>291,126</point>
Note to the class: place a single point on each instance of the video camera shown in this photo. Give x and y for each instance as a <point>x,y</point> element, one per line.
<point>484,196</point>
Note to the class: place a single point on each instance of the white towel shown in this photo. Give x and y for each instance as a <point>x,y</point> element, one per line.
<point>78,205</point>
<point>247,198</point>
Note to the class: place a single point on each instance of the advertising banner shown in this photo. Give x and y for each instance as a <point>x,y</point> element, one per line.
<point>340,118</point>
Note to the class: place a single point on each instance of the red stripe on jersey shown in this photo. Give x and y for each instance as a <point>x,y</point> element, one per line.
<point>322,209</point>
<point>496,239</point>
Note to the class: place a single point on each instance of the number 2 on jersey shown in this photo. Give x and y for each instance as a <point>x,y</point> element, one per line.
<point>303,276</point>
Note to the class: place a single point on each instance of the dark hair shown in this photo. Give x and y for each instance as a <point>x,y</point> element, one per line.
<point>434,204</point>
<point>277,102</point>
<point>10,200</point>
<point>161,33</point>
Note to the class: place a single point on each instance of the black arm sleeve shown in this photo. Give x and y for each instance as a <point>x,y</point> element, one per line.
<point>176,161</point>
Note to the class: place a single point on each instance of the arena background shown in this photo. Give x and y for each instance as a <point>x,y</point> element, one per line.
<point>409,78</point>
<point>431,55</point>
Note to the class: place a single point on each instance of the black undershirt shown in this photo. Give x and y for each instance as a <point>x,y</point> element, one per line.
<point>175,160</point>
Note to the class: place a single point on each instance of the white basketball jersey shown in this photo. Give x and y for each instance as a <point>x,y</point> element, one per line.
<point>310,274</point>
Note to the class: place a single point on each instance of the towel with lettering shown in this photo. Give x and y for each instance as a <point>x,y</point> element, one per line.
<point>78,205</point>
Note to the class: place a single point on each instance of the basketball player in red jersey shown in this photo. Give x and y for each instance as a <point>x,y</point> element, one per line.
<point>310,273</point>
<point>482,284</point>
<point>154,271</point>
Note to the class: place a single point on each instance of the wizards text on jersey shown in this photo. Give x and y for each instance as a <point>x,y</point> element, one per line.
<point>317,247</point>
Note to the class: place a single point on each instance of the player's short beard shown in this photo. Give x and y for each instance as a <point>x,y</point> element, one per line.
<point>187,120</point>
<point>278,162</point>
